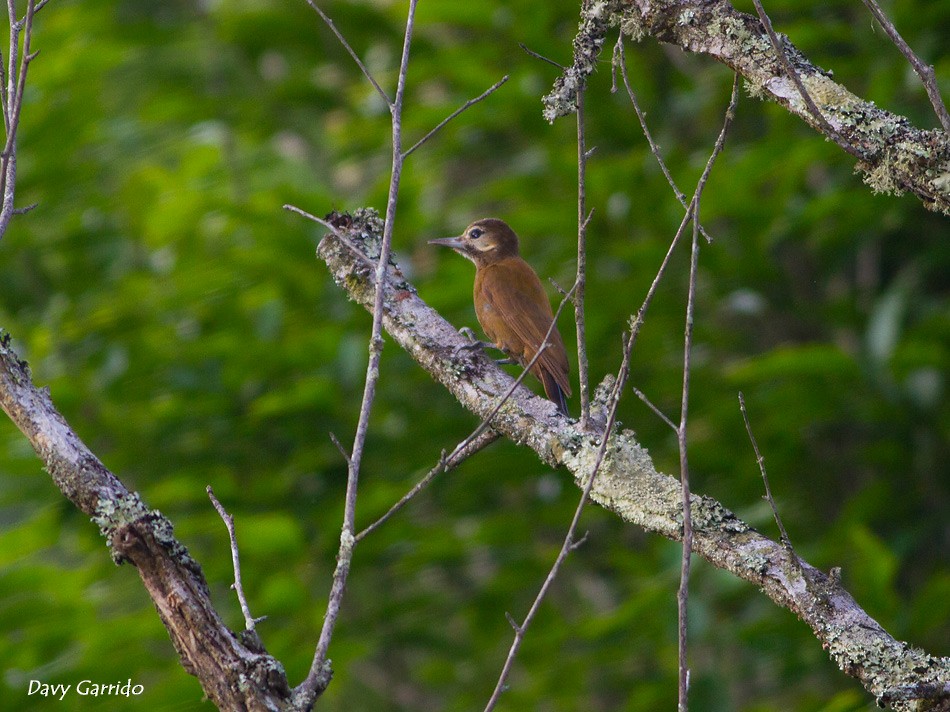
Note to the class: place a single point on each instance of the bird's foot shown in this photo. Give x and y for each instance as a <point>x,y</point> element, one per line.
<point>474,343</point>
<point>506,361</point>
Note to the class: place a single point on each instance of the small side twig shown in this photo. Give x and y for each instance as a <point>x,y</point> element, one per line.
<point>924,70</point>
<point>620,59</point>
<point>353,54</point>
<point>656,411</point>
<point>357,252</point>
<point>250,622</point>
<point>464,450</point>
<point>471,102</point>
<point>792,74</point>
<point>534,54</point>
<point>786,541</point>
<point>340,448</point>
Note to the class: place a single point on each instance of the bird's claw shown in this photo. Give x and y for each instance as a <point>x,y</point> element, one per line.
<point>474,343</point>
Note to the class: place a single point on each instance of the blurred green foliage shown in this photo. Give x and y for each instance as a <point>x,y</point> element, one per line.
<point>189,335</point>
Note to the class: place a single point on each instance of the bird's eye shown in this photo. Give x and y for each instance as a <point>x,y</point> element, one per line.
<point>475,233</point>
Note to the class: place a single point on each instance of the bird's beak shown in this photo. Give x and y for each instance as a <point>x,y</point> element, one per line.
<point>454,242</point>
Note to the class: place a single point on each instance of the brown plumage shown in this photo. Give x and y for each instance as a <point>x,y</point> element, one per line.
<point>511,304</point>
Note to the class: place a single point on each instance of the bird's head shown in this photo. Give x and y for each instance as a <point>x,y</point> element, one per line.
<point>484,241</point>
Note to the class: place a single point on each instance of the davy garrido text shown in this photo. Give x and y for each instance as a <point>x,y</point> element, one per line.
<point>85,688</point>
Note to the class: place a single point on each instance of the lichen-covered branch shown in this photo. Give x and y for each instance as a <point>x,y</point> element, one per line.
<point>627,482</point>
<point>896,156</point>
<point>236,673</point>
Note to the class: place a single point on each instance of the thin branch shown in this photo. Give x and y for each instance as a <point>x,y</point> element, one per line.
<point>580,282</point>
<point>340,448</point>
<point>924,70</point>
<point>534,54</point>
<point>721,139</point>
<point>792,74</point>
<point>637,322</point>
<point>13,49</point>
<point>12,101</point>
<point>249,621</point>
<point>620,59</point>
<point>357,252</point>
<point>656,411</point>
<point>682,595</point>
<point>760,461</point>
<point>462,452</point>
<point>471,102</point>
<point>356,58</point>
<point>320,672</point>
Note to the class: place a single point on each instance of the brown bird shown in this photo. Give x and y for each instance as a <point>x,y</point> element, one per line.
<point>511,304</point>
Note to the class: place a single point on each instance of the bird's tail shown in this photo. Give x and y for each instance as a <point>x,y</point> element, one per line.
<point>555,393</point>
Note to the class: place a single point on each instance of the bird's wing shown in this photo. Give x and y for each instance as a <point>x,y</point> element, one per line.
<point>524,307</point>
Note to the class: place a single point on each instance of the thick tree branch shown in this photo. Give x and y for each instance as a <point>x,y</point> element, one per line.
<point>236,674</point>
<point>629,485</point>
<point>897,156</point>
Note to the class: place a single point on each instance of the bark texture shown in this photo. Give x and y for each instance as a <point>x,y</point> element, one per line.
<point>235,671</point>
<point>895,156</point>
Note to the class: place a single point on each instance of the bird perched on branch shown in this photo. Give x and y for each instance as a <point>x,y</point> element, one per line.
<point>511,304</point>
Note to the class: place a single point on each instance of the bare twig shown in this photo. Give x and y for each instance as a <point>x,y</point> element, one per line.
<point>339,446</point>
<point>792,74</point>
<point>637,321</point>
<point>620,59</point>
<point>583,219</point>
<point>534,54</point>
<point>320,672</point>
<point>356,58</point>
<point>463,107</point>
<point>360,255</point>
<point>924,70</point>
<point>682,595</point>
<point>11,99</point>
<point>786,541</point>
<point>249,621</point>
<point>462,452</point>
<point>656,411</point>
<point>721,139</point>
